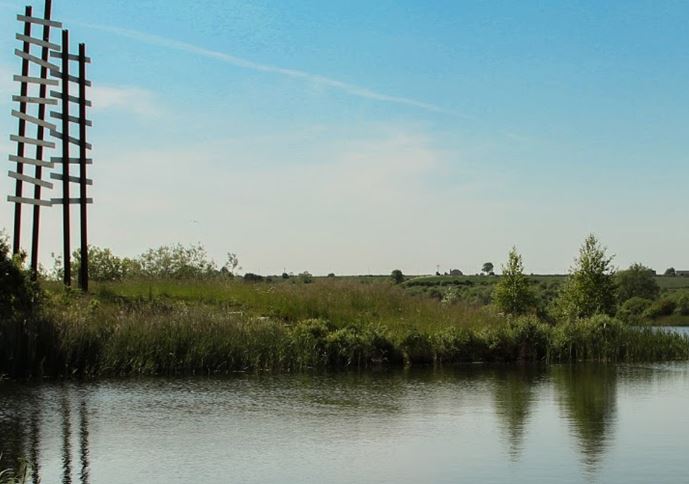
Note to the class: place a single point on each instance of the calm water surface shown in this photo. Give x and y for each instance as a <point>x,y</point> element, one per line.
<point>608,424</point>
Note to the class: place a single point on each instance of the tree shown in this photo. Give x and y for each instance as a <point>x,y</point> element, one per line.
<point>670,272</point>
<point>590,287</point>
<point>19,300</point>
<point>397,276</point>
<point>104,266</point>
<point>176,262</point>
<point>637,281</point>
<point>512,293</point>
<point>487,268</point>
<point>231,264</point>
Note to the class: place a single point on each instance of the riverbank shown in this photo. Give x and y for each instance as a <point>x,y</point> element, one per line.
<point>216,327</point>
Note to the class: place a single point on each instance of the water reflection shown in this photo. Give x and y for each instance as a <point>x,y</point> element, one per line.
<point>514,394</point>
<point>22,425</point>
<point>588,396</point>
<point>505,415</point>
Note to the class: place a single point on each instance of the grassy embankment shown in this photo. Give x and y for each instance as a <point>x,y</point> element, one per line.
<point>667,310</point>
<point>218,326</point>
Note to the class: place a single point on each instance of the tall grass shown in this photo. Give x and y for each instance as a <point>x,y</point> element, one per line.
<point>210,328</point>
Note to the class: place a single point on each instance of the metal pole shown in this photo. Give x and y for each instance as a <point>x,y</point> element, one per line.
<point>45,54</point>
<point>84,268</point>
<point>65,159</point>
<point>16,245</point>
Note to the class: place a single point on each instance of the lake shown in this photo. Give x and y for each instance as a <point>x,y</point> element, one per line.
<point>586,423</point>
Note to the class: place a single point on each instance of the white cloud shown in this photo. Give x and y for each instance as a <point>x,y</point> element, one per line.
<point>131,99</point>
<point>316,79</point>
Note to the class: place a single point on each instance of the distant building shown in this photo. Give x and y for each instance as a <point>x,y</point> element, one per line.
<point>682,273</point>
<point>456,272</point>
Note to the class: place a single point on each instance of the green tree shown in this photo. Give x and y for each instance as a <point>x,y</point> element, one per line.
<point>590,287</point>
<point>637,281</point>
<point>19,298</point>
<point>176,262</point>
<point>670,272</point>
<point>487,268</point>
<point>397,276</point>
<point>104,266</point>
<point>512,293</point>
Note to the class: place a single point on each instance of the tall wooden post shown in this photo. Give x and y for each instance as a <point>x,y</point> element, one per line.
<point>83,146</point>
<point>67,246</point>
<point>24,90</point>
<point>45,55</point>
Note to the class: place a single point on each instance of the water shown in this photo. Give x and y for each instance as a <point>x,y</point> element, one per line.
<point>590,423</point>
<point>676,329</point>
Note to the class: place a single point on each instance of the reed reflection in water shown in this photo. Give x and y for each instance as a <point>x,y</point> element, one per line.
<point>469,423</point>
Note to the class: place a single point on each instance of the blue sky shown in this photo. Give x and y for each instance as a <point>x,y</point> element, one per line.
<point>361,136</point>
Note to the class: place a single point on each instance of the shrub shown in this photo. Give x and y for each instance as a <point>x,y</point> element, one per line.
<point>590,288</point>
<point>512,293</point>
<point>397,276</point>
<point>637,281</point>
<point>661,307</point>
<point>633,309</point>
<point>19,302</point>
<point>682,305</point>
<point>176,262</point>
<point>251,277</point>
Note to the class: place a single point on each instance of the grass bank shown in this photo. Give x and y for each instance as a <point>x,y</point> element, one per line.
<point>211,327</point>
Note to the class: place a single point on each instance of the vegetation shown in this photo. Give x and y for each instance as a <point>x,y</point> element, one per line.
<point>512,293</point>
<point>397,276</point>
<point>177,313</point>
<point>590,289</point>
<point>637,281</point>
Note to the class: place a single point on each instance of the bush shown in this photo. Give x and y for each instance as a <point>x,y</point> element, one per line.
<point>19,301</point>
<point>251,277</point>
<point>176,262</point>
<point>397,276</point>
<point>661,307</point>
<point>633,310</point>
<point>590,288</point>
<point>637,281</point>
<point>104,266</point>
<point>682,305</point>
<point>512,293</point>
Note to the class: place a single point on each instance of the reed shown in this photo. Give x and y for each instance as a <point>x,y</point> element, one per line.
<point>210,328</point>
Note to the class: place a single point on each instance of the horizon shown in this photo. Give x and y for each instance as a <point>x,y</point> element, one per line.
<point>358,138</point>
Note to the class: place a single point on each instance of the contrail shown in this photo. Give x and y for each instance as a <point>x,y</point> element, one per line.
<point>351,89</point>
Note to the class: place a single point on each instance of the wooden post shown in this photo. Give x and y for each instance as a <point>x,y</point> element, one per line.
<point>65,160</point>
<point>45,55</point>
<point>84,268</point>
<point>18,192</point>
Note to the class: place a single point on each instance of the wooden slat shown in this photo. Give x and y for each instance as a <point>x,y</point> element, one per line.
<point>70,139</point>
<point>72,57</point>
<point>72,201</point>
<point>30,201</point>
<point>34,120</point>
<point>31,161</point>
<point>72,119</point>
<point>72,161</point>
<point>35,59</point>
<point>37,80</point>
<point>39,21</point>
<point>39,42</point>
<point>30,179</point>
<point>35,100</point>
<point>73,179</point>
<point>70,78</point>
<point>32,141</point>
<point>74,99</point>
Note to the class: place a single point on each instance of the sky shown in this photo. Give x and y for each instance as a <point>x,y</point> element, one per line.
<point>359,137</point>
